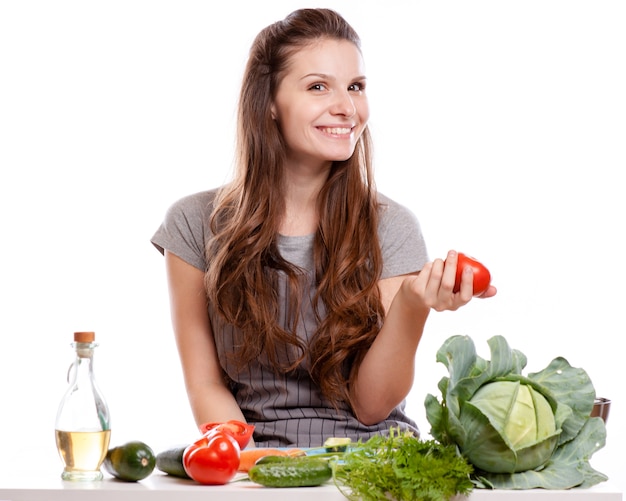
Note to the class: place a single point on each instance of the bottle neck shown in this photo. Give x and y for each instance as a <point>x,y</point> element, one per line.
<point>84,350</point>
<point>83,366</point>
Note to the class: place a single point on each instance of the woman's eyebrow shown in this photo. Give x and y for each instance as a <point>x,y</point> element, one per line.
<point>324,76</point>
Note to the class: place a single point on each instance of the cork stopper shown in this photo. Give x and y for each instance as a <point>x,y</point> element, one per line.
<point>84,337</point>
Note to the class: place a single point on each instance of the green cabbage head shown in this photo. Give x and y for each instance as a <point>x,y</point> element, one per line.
<point>518,431</point>
<point>510,427</point>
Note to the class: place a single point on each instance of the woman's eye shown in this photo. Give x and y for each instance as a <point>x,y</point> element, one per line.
<point>317,86</point>
<point>357,86</point>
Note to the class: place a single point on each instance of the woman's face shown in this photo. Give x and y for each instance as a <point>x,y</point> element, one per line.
<point>321,106</point>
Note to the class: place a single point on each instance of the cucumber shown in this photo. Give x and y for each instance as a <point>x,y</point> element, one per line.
<point>130,462</point>
<point>272,459</point>
<point>170,461</point>
<point>292,472</point>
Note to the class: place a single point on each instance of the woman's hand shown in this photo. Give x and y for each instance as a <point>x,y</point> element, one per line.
<point>433,286</point>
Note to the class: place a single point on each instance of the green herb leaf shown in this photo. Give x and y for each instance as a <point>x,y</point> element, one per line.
<point>402,467</point>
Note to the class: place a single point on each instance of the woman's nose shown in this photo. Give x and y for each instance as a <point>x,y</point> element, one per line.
<point>344,105</point>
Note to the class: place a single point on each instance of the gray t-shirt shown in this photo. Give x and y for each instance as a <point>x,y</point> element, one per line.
<point>289,410</point>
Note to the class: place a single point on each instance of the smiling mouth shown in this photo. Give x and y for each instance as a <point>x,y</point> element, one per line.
<point>336,131</point>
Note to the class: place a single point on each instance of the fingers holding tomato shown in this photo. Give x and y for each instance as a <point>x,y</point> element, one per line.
<point>447,285</point>
<point>481,285</point>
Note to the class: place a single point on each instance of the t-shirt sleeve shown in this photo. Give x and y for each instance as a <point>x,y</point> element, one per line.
<point>184,229</point>
<point>402,242</point>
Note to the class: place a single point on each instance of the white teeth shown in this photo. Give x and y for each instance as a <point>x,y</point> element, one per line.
<point>337,130</point>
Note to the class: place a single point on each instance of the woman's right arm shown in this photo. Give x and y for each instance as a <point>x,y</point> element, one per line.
<point>209,396</point>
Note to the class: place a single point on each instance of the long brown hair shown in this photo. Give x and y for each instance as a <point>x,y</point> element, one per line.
<point>244,262</point>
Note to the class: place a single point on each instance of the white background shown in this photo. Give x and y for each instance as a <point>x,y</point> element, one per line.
<point>501,124</point>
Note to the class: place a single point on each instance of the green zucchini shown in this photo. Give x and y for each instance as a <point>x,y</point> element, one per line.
<point>130,462</point>
<point>170,461</point>
<point>292,472</point>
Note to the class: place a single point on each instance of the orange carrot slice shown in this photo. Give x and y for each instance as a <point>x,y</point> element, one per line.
<point>249,457</point>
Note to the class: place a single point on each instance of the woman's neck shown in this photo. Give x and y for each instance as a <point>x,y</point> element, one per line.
<point>301,191</point>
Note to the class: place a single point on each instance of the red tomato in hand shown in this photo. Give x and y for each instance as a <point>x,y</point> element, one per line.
<point>482,277</point>
<point>212,460</point>
<point>240,431</point>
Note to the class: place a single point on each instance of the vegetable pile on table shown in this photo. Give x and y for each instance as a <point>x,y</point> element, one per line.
<point>518,431</point>
<point>494,428</point>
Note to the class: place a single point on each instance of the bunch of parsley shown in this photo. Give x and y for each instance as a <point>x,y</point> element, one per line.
<point>401,466</point>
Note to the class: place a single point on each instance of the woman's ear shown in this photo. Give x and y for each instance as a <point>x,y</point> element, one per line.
<point>273,111</point>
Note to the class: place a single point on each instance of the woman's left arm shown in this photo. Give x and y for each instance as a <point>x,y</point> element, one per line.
<point>387,371</point>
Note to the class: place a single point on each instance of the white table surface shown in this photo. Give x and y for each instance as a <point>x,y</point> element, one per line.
<point>159,487</point>
<point>34,474</point>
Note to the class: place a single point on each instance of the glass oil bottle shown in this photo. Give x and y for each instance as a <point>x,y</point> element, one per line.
<point>82,425</point>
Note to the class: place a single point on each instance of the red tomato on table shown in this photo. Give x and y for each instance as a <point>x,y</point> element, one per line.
<point>212,460</point>
<point>482,277</point>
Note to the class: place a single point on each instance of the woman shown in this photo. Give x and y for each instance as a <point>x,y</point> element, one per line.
<point>298,293</point>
